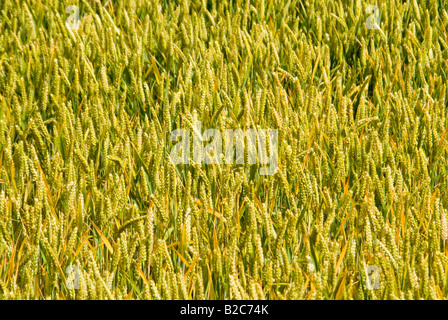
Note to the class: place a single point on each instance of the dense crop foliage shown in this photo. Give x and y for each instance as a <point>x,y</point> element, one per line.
<point>86,179</point>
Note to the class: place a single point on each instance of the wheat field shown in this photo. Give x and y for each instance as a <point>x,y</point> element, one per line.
<point>92,207</point>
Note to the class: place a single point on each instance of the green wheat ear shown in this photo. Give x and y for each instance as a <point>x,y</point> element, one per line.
<point>85,121</point>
